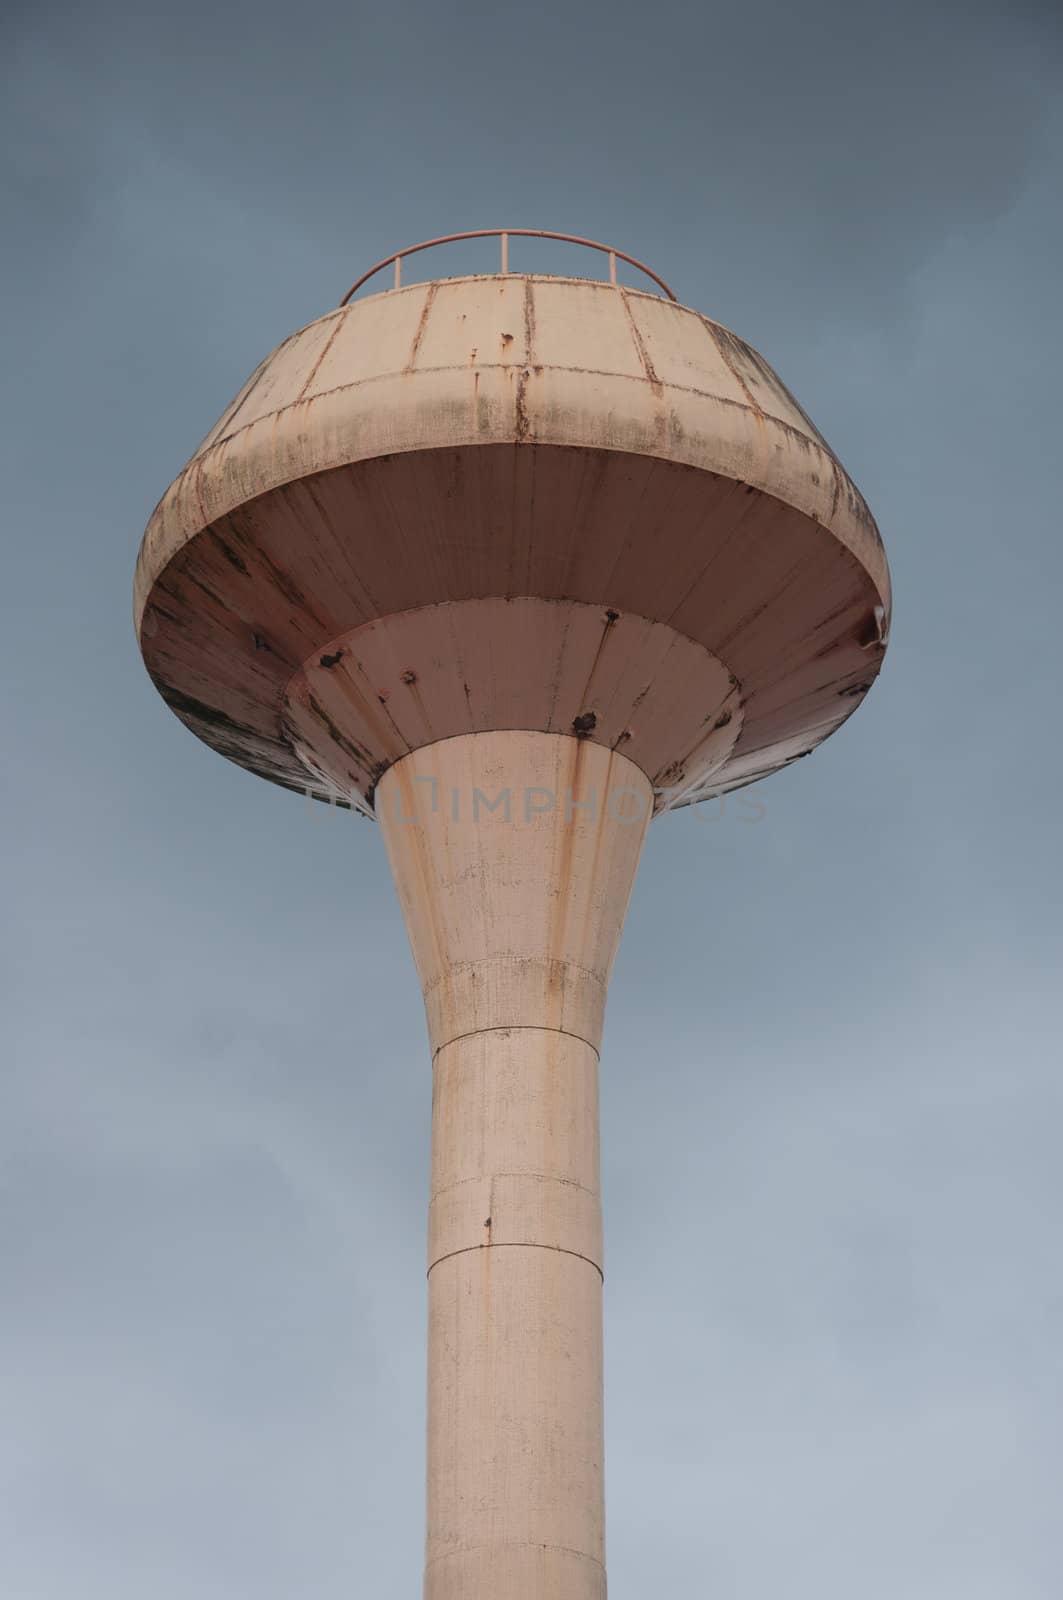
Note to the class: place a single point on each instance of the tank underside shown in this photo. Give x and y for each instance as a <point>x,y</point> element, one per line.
<point>328,628</point>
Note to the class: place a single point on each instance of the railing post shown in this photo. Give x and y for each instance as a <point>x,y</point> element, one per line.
<point>398,272</point>
<point>612,268</point>
<point>505,252</point>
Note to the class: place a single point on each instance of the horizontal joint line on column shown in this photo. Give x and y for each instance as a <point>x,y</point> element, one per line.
<point>514,1027</point>
<point>535,1177</point>
<point>514,1244</point>
<point>513,961</point>
<point>514,1544</point>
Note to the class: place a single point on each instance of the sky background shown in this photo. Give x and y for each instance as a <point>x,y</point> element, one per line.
<point>831,1087</point>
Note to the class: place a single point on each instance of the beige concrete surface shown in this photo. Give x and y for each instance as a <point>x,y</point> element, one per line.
<point>514,916</point>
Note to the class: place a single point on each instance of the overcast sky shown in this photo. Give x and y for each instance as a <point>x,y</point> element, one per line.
<point>831,1086</point>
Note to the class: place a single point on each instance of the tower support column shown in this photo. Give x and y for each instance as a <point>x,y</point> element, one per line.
<point>514,855</point>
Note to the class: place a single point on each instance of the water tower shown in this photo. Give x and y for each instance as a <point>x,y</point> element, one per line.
<point>511,563</point>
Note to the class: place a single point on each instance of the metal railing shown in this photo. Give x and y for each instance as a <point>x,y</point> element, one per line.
<point>505,234</point>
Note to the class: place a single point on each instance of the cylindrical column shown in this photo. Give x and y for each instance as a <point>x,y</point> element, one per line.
<point>514,855</point>
<point>515,1494</point>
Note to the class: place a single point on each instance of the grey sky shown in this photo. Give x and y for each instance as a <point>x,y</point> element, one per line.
<point>833,1202</point>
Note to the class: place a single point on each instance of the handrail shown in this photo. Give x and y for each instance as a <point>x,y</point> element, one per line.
<point>505,234</point>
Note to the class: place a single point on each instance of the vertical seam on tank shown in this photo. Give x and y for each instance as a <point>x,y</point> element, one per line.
<point>710,329</point>
<point>326,347</point>
<point>421,323</point>
<point>529,324</point>
<point>640,347</point>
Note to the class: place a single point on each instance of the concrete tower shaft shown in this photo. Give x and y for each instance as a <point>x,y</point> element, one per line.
<point>514,855</point>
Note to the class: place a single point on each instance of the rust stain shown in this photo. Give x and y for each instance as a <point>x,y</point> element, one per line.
<point>205,588</point>
<point>326,347</point>
<point>160,611</point>
<point>365,598</point>
<point>289,589</point>
<point>858,505</point>
<point>371,788</point>
<point>523,422</point>
<point>197,486</point>
<point>529,323</point>
<point>362,757</point>
<point>409,678</point>
<point>187,706</point>
<point>422,322</point>
<point>772,377</point>
<point>699,751</point>
<point>725,344</point>
<point>611,619</point>
<point>378,732</point>
<point>837,488</point>
<point>644,355</point>
<point>231,556</point>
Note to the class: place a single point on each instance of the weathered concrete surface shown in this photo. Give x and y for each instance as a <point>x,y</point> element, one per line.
<point>514,915</point>
<point>398,473</point>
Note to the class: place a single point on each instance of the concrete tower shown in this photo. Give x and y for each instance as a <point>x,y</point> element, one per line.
<point>511,563</point>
